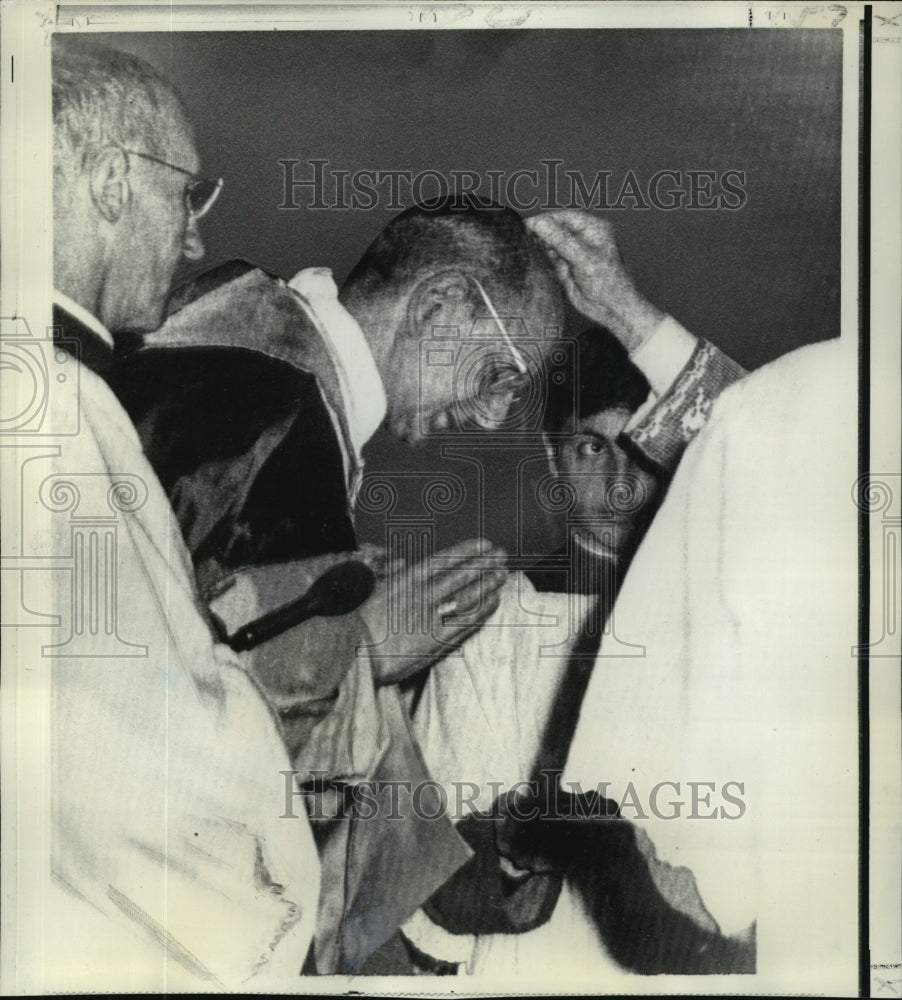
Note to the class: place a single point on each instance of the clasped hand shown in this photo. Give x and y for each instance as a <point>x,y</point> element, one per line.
<point>421,612</point>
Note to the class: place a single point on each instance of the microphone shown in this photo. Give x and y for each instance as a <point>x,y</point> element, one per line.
<point>341,589</point>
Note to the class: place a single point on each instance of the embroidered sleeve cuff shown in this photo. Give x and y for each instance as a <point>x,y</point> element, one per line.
<point>663,431</point>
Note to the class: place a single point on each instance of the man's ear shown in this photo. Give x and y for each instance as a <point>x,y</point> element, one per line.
<point>441,300</point>
<point>110,186</point>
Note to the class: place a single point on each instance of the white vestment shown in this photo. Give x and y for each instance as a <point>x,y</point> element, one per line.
<point>171,866</point>
<point>744,593</point>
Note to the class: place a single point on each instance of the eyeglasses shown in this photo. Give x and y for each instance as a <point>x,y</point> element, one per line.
<point>199,194</point>
<point>503,379</point>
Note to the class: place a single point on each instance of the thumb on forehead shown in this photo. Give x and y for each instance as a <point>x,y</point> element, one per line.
<point>565,223</point>
<point>543,226</point>
<point>563,249</point>
<point>558,259</point>
<point>548,235</point>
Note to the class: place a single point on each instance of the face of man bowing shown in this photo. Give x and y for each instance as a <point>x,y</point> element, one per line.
<point>463,362</point>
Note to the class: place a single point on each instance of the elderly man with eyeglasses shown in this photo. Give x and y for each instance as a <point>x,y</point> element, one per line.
<point>170,867</point>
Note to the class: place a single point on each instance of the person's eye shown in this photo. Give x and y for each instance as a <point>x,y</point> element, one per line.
<point>591,446</point>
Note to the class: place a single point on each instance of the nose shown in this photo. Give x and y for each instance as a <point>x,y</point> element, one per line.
<point>192,246</point>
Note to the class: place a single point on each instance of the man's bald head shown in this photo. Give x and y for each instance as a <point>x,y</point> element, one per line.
<point>490,240</point>
<point>420,281</point>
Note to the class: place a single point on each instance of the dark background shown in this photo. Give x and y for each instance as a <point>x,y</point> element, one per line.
<point>759,281</point>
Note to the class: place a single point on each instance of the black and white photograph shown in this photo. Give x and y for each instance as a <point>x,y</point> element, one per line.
<point>451,498</point>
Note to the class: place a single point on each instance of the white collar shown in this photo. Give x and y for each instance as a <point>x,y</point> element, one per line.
<point>358,376</point>
<point>83,316</point>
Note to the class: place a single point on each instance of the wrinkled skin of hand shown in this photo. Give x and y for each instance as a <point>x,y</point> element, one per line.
<point>420,613</point>
<point>583,250</point>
